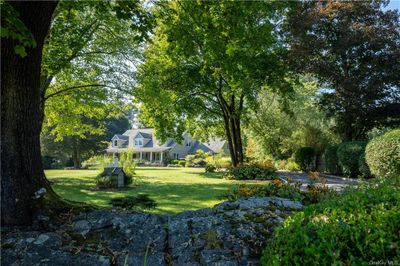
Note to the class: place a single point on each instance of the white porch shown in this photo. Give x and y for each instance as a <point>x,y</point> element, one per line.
<point>150,154</point>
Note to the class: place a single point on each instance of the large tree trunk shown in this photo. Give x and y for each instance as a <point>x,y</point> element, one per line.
<point>76,158</point>
<point>21,166</point>
<point>234,137</point>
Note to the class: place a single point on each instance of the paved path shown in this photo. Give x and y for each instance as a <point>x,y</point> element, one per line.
<point>335,182</point>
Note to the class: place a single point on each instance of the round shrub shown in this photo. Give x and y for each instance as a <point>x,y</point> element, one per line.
<point>383,154</point>
<point>363,166</point>
<point>348,154</point>
<point>304,157</point>
<point>331,160</point>
<point>355,228</point>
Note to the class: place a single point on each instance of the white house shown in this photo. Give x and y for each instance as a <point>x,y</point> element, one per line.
<point>147,147</point>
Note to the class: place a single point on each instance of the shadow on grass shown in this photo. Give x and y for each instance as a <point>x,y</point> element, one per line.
<point>144,168</point>
<point>211,175</point>
<point>171,198</point>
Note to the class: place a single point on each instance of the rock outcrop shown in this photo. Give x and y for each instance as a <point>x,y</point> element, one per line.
<point>231,233</point>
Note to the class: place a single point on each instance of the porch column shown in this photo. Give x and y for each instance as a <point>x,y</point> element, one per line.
<point>161,154</point>
<point>141,156</point>
<point>151,156</point>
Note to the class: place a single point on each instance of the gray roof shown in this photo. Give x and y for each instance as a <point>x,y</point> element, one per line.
<point>168,143</point>
<point>215,145</point>
<point>145,135</point>
<point>121,137</point>
<point>199,146</point>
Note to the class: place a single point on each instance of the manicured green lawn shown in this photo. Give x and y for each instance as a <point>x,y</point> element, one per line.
<point>174,189</point>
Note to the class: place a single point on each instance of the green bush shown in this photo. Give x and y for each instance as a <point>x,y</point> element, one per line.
<point>196,160</point>
<point>277,188</point>
<point>106,181</point>
<point>383,154</point>
<point>348,155</point>
<point>220,161</point>
<point>127,162</point>
<point>363,166</point>
<point>331,160</point>
<point>141,201</point>
<point>249,172</point>
<point>360,226</point>
<point>304,157</point>
<point>210,169</point>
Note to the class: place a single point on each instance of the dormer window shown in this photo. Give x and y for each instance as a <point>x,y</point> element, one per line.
<point>188,144</point>
<point>138,142</point>
<point>115,143</point>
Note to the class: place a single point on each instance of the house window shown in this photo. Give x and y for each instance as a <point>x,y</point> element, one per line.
<point>115,143</point>
<point>138,142</point>
<point>176,156</point>
<point>188,144</point>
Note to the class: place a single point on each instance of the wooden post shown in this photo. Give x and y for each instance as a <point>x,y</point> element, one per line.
<point>151,156</point>
<point>161,154</point>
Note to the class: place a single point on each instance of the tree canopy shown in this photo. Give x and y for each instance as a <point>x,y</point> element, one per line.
<point>354,48</point>
<point>205,65</point>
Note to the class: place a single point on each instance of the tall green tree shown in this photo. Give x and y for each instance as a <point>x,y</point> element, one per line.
<point>354,48</point>
<point>206,63</point>
<point>89,65</point>
<point>81,147</point>
<point>25,26</point>
<point>280,125</point>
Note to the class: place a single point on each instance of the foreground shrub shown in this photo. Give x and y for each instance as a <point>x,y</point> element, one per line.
<point>358,227</point>
<point>348,155</point>
<point>141,201</point>
<point>250,172</point>
<point>331,160</point>
<point>383,154</point>
<point>304,157</point>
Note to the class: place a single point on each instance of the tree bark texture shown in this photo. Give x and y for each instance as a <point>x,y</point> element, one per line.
<point>232,115</point>
<point>21,165</point>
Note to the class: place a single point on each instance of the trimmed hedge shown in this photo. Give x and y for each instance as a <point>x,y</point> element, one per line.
<point>358,227</point>
<point>332,160</point>
<point>250,172</point>
<point>348,155</point>
<point>304,157</point>
<point>383,154</point>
